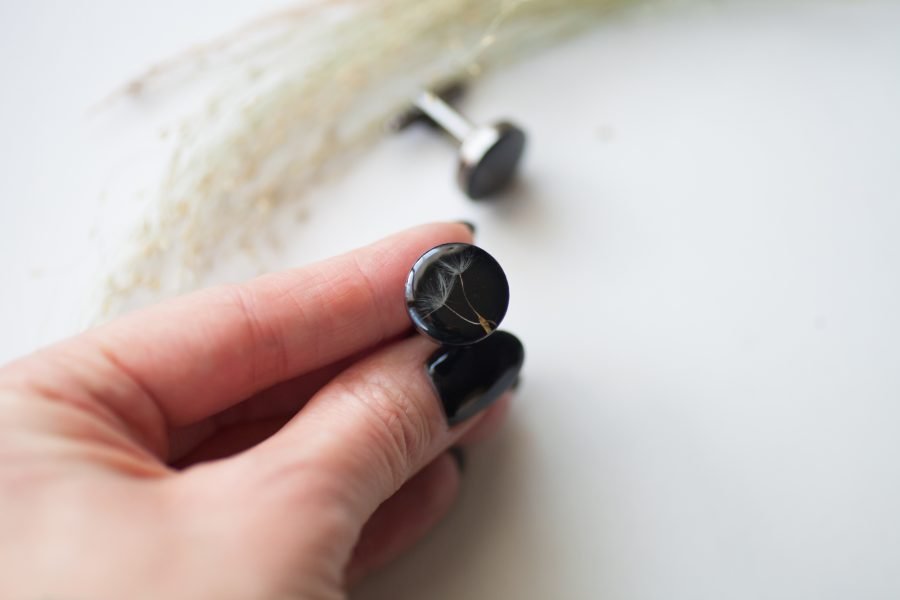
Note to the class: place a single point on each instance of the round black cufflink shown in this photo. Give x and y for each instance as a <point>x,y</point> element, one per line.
<point>457,294</point>
<point>489,155</point>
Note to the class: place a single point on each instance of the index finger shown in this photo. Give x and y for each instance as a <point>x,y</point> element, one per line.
<point>199,354</point>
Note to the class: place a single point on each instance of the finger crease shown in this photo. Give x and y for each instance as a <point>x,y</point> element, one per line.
<point>154,434</point>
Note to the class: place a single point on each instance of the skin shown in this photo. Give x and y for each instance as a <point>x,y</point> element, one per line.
<point>274,439</point>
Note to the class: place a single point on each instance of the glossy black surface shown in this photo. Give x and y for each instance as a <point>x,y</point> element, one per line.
<point>468,379</point>
<point>497,166</point>
<point>457,294</point>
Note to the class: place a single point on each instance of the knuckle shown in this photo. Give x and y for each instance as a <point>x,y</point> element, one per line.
<point>398,425</point>
<point>273,355</point>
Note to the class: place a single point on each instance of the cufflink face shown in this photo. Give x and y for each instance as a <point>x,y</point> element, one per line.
<point>489,159</point>
<point>489,155</point>
<point>457,294</point>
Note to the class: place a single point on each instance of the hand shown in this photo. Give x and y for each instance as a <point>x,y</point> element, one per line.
<point>274,439</point>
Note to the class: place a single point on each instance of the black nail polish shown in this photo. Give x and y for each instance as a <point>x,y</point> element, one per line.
<point>459,457</point>
<point>468,379</point>
<point>470,225</point>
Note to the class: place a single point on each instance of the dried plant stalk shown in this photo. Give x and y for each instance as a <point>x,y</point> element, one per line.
<point>317,85</point>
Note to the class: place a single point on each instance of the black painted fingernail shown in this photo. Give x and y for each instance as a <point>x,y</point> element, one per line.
<point>468,224</point>
<point>468,379</point>
<point>459,457</point>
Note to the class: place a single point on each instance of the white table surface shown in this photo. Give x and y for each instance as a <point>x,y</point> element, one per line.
<point>705,269</point>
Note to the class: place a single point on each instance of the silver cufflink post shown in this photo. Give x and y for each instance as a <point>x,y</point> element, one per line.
<point>488,155</point>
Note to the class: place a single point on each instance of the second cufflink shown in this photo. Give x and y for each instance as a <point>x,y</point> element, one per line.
<point>489,155</point>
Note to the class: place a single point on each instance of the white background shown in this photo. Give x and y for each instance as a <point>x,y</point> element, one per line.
<point>704,264</point>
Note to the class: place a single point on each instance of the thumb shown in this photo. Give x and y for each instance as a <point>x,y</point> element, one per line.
<point>379,422</point>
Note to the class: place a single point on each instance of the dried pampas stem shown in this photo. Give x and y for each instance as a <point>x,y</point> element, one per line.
<point>317,84</point>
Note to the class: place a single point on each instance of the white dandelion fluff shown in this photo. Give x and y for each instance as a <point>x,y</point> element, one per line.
<point>457,263</point>
<point>434,293</point>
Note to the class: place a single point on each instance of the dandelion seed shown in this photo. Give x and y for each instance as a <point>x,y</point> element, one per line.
<point>448,307</point>
<point>458,263</point>
<point>435,294</point>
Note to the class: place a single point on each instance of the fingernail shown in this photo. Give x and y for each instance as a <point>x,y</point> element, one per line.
<point>459,457</point>
<point>468,224</point>
<point>468,379</point>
